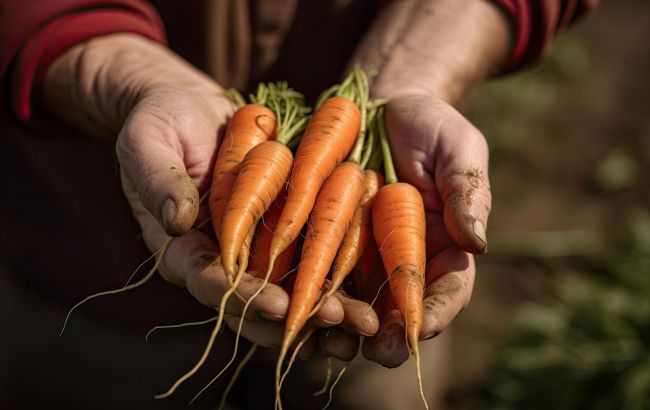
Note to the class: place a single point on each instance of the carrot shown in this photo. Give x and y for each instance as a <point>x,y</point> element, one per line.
<point>329,137</point>
<point>335,206</point>
<point>260,177</point>
<point>251,125</point>
<point>399,226</point>
<point>263,173</point>
<point>259,260</point>
<point>333,129</point>
<point>356,238</point>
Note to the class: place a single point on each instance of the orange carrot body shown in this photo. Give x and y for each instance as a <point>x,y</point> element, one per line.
<point>329,137</point>
<point>399,226</point>
<point>262,176</point>
<point>356,238</point>
<point>248,127</point>
<point>259,260</point>
<point>333,212</point>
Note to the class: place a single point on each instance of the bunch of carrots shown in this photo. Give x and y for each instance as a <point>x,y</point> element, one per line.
<point>282,170</point>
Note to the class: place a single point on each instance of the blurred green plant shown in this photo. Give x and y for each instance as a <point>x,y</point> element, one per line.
<point>589,347</point>
<point>618,170</point>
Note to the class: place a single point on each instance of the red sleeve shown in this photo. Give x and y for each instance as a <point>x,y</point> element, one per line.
<point>33,33</point>
<point>535,24</point>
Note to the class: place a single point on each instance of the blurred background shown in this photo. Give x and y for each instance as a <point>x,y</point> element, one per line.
<point>560,316</point>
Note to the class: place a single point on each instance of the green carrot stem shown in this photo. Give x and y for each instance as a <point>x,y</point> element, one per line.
<point>367,153</point>
<point>294,134</point>
<point>389,168</point>
<point>362,88</point>
<point>326,94</point>
<point>261,96</point>
<point>234,96</point>
<point>371,132</point>
<point>288,106</point>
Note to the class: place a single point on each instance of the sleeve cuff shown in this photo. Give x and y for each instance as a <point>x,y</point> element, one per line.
<point>48,43</point>
<point>535,25</point>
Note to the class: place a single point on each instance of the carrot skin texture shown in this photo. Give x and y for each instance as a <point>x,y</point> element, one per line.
<point>259,260</point>
<point>261,178</point>
<point>249,126</point>
<point>329,137</point>
<point>399,227</point>
<point>356,238</point>
<point>333,212</point>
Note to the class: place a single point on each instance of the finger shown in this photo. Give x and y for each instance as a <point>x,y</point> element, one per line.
<point>264,333</point>
<point>192,261</point>
<point>309,348</point>
<point>388,347</point>
<point>330,313</point>
<point>151,159</point>
<point>413,125</point>
<point>269,334</point>
<point>450,276</point>
<point>338,343</point>
<point>462,178</point>
<point>358,317</point>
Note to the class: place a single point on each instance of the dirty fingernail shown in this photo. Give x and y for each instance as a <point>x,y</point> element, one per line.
<point>168,212</point>
<point>479,231</point>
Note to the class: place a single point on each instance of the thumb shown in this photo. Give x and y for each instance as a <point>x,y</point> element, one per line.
<point>462,178</point>
<point>151,157</point>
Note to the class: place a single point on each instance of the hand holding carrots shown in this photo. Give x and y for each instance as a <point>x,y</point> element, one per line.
<point>168,119</point>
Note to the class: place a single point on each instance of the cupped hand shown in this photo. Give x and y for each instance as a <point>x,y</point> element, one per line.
<point>443,155</point>
<point>168,118</point>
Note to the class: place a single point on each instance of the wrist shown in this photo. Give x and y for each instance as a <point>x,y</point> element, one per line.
<point>95,85</point>
<point>443,48</point>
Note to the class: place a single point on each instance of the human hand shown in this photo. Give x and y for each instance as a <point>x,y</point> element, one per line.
<point>443,155</point>
<point>168,118</point>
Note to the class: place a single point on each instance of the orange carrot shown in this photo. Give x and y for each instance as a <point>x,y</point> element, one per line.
<point>399,227</point>
<point>248,127</point>
<point>335,206</point>
<point>261,178</point>
<point>356,238</point>
<point>329,137</point>
<point>259,260</point>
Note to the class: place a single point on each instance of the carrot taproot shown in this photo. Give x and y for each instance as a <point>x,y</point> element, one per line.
<point>329,137</point>
<point>333,211</point>
<point>249,126</point>
<point>262,176</point>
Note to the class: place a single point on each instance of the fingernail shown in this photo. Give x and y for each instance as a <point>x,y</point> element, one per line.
<point>479,231</point>
<point>274,318</point>
<point>168,212</point>
<point>326,322</point>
